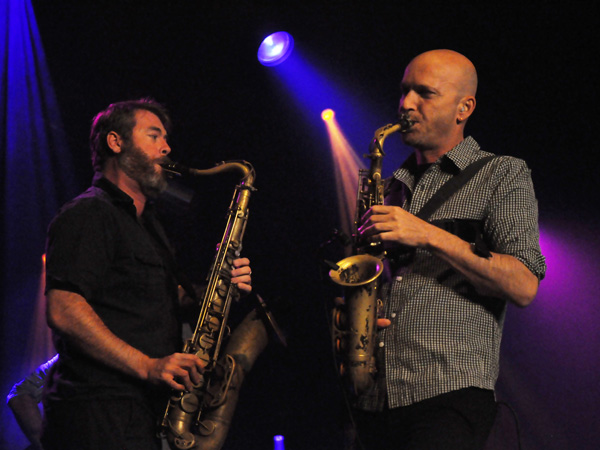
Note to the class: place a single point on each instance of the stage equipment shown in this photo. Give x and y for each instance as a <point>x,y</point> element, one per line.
<point>275,48</point>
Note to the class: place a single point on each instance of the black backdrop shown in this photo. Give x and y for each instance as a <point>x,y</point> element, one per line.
<point>199,58</point>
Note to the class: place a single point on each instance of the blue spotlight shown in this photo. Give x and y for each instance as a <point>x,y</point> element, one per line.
<point>275,48</point>
<point>278,442</point>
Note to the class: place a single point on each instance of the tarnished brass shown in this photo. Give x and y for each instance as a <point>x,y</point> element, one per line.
<point>200,419</point>
<point>354,324</point>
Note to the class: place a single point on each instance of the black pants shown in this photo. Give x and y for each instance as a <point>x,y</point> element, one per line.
<point>459,420</point>
<point>100,424</point>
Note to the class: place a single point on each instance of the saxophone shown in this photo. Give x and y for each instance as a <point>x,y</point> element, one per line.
<point>200,418</point>
<point>354,324</point>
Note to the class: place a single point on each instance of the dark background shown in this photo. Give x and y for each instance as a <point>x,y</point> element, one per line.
<point>535,100</point>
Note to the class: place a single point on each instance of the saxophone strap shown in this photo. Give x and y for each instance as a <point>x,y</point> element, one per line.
<point>451,186</point>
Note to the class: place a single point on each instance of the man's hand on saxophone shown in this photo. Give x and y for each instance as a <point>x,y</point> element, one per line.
<point>241,275</point>
<point>180,371</point>
<point>393,225</point>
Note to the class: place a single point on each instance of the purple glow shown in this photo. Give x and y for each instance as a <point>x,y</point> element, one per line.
<point>556,338</point>
<point>275,48</point>
<point>571,274</point>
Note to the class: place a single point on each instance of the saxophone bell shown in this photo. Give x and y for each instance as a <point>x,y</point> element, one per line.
<point>355,323</point>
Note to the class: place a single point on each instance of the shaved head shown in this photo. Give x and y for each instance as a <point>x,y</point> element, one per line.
<point>452,66</point>
<point>438,97</point>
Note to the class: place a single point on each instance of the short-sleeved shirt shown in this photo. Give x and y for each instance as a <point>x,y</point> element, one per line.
<point>445,336</point>
<point>123,266</point>
<point>32,385</point>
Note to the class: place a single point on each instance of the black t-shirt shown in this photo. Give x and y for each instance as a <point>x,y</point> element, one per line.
<point>123,267</point>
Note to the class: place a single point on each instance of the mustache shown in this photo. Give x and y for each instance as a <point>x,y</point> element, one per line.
<point>161,161</point>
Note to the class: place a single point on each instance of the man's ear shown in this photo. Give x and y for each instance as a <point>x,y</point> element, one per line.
<point>114,142</point>
<point>465,108</point>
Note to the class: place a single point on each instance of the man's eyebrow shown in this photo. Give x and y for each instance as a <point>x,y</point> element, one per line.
<point>157,129</point>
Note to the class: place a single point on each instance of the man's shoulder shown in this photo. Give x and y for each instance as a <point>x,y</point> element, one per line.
<point>504,165</point>
<point>499,164</point>
<point>92,199</point>
<point>92,204</point>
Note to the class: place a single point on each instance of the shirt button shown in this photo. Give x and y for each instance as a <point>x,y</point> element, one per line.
<point>393,315</point>
<point>381,344</point>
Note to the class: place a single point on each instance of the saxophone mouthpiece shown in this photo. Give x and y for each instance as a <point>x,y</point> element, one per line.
<point>405,123</point>
<point>172,168</point>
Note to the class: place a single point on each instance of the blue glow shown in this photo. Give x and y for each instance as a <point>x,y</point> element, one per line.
<point>275,48</point>
<point>37,176</point>
<point>278,443</point>
<point>313,90</point>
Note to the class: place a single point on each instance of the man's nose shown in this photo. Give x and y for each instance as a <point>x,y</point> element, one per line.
<point>166,149</point>
<point>407,102</point>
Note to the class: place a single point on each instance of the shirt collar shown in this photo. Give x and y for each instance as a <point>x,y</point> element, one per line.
<point>463,154</point>
<point>452,162</point>
<point>117,196</point>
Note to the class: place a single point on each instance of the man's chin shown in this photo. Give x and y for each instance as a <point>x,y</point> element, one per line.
<point>409,138</point>
<point>154,188</point>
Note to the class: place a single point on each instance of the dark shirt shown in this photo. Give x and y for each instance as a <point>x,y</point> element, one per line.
<point>122,265</point>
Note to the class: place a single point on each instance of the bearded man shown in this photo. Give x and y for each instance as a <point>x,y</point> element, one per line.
<point>112,294</point>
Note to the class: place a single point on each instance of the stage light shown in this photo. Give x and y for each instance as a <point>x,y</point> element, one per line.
<point>327,114</point>
<point>278,442</point>
<point>346,164</point>
<point>275,48</point>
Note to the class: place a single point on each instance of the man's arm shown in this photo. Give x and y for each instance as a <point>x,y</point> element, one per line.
<point>72,316</point>
<point>501,276</point>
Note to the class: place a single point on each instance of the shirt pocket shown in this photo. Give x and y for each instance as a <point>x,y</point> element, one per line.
<point>149,274</point>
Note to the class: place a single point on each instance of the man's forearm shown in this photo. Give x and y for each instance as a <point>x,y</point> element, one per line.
<point>501,276</point>
<point>71,315</point>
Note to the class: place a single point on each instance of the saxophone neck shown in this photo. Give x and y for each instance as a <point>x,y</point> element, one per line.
<point>381,134</point>
<point>247,172</point>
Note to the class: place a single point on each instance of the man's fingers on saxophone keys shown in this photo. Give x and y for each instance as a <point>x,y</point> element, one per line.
<point>182,370</point>
<point>241,275</point>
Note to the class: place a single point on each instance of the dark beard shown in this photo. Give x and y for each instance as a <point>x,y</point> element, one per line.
<point>139,167</point>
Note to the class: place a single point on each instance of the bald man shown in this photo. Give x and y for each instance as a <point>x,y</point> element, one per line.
<point>451,275</point>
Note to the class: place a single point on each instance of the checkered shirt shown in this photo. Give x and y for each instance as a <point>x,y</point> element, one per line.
<point>444,336</point>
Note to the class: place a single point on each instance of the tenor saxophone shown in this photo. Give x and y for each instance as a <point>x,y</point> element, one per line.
<point>200,418</point>
<point>354,324</point>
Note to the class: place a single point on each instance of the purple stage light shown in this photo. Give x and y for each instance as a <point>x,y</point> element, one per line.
<point>275,48</point>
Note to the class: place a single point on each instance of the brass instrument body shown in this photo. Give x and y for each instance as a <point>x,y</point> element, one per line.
<point>187,421</point>
<point>354,324</point>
